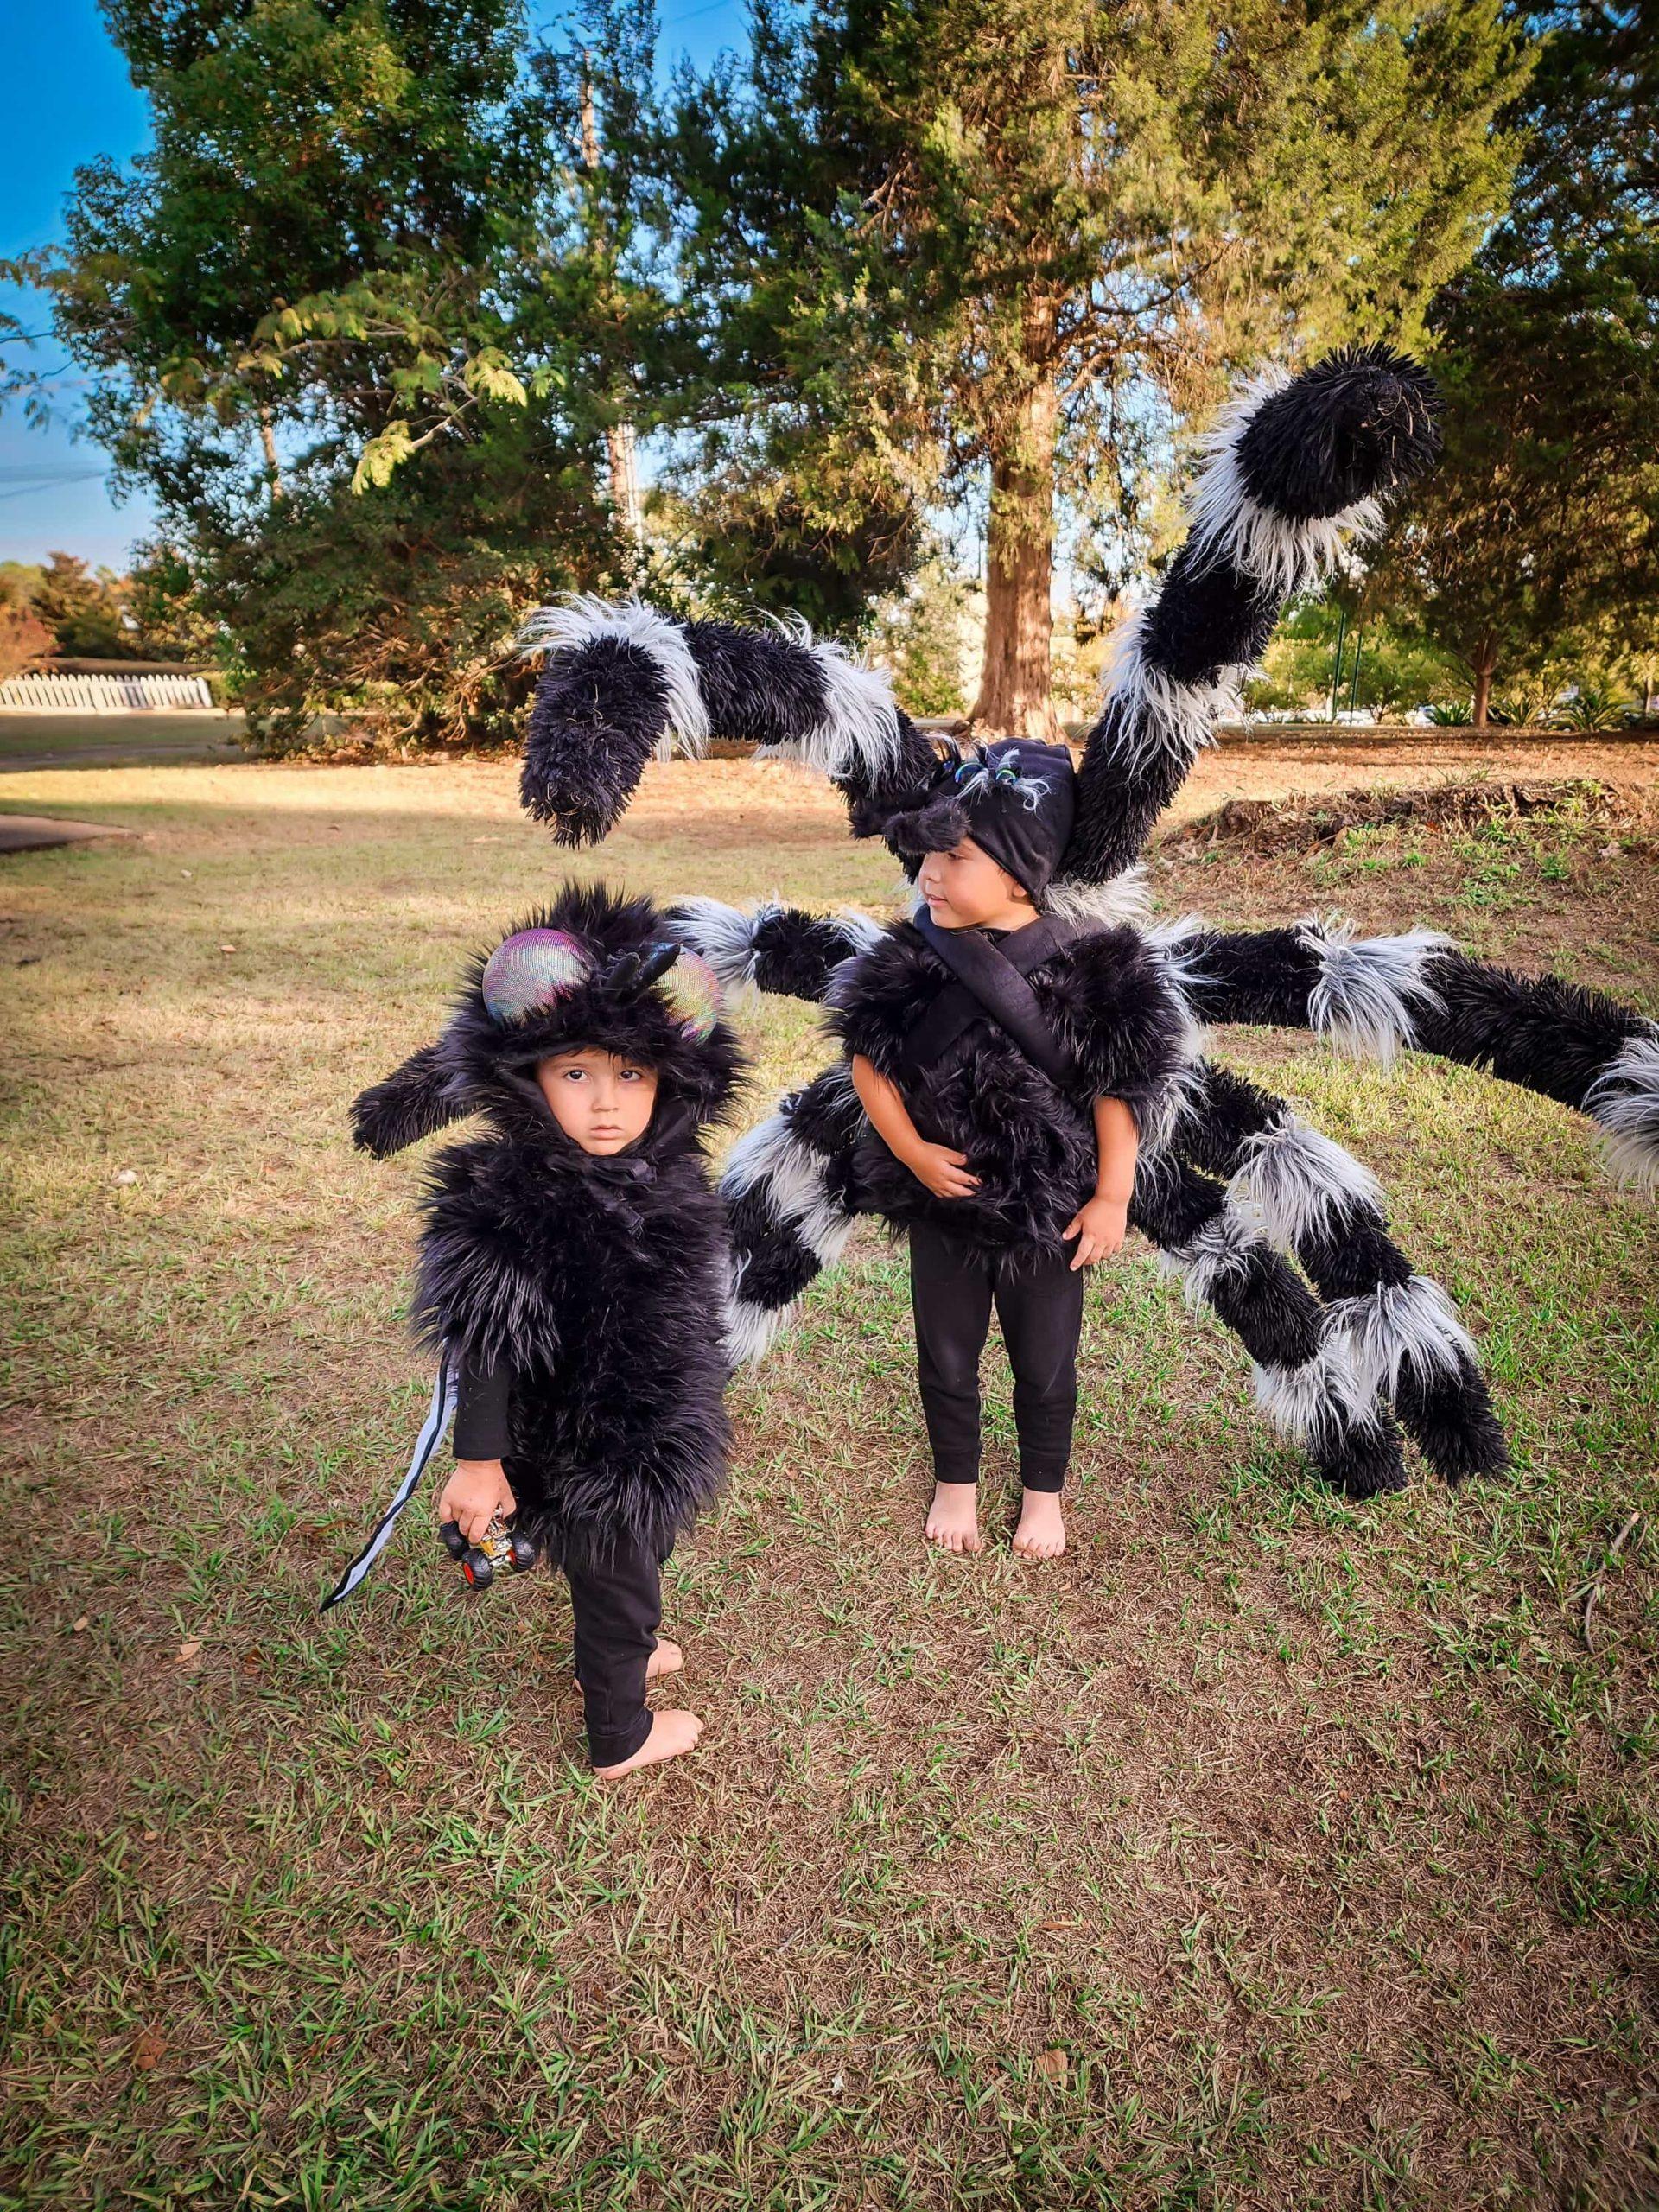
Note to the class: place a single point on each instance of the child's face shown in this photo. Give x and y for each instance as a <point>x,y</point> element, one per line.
<point>600,1101</point>
<point>965,888</point>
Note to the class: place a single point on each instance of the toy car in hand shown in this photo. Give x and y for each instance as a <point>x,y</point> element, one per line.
<point>502,1550</point>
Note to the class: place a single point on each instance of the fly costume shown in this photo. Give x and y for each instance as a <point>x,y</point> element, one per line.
<point>573,1298</point>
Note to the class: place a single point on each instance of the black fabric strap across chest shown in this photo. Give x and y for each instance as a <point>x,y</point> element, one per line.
<point>991,979</point>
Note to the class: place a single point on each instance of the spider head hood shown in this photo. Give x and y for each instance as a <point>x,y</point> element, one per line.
<point>1015,799</point>
<point>593,968</point>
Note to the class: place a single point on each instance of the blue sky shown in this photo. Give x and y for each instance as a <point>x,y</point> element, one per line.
<point>65,98</point>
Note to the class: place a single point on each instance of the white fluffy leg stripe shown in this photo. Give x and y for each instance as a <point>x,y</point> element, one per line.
<point>1293,1179</point>
<point>1279,553</point>
<point>1121,899</point>
<point>1625,1099</point>
<point>723,935</point>
<point>1151,713</point>
<point>1222,1248</point>
<point>860,726</point>
<point>577,620</point>
<point>752,1330</point>
<point>1318,1403</point>
<point>1368,985</point>
<point>771,1156</point>
<point>1383,1330</point>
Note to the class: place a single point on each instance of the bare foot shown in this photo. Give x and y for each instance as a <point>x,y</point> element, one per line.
<point>666,1659</point>
<point>952,1521</point>
<point>670,1734</point>
<point>1041,1532</point>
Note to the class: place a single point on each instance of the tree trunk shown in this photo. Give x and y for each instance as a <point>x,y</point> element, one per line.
<point>267,439</point>
<point>1485,662</point>
<point>1013,693</point>
<point>624,481</point>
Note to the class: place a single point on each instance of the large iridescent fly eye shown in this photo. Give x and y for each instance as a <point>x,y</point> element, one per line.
<point>529,970</point>
<point>693,992</point>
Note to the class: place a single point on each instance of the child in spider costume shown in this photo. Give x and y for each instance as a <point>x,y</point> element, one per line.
<point>1005,1061</point>
<point>571,1262</point>
<point>1279,1231</point>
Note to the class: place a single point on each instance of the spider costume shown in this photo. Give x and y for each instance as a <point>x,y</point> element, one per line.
<point>1279,1231</point>
<point>570,1293</point>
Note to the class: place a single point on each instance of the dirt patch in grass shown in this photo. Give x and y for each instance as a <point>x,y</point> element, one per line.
<point>1298,825</point>
<point>1268,1851</point>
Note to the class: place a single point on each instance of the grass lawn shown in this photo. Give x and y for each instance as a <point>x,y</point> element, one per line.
<point>1266,1852</point>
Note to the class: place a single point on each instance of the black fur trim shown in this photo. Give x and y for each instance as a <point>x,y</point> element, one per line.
<point>796,954</point>
<point>1546,1034</point>
<point>1453,1420</point>
<point>758,686</point>
<point>772,1262</point>
<point>1251,975</point>
<point>413,1101</point>
<point>1207,617</point>
<point>1358,425</point>
<point>936,826</point>
<point>599,712</point>
<point>1031,1144</point>
<point>1117,803</point>
<point>1363,1461</point>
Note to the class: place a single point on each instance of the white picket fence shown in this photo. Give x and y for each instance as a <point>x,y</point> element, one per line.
<point>103,694</point>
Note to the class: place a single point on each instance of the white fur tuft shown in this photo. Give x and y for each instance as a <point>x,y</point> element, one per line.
<point>771,1154</point>
<point>1122,899</point>
<point>1367,987</point>
<point>1384,1330</point>
<point>1293,1178</point>
<point>1625,1099</point>
<point>1320,1401</point>
<point>579,618</point>
<point>752,1330</point>
<point>723,935</point>
<point>1282,554</point>
<point>858,730</point>
<point>1151,712</point>
<point>1223,1247</point>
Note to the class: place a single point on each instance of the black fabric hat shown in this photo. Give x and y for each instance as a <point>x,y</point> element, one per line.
<point>1015,799</point>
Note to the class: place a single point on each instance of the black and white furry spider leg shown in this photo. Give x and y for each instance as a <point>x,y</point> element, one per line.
<point>1305,1381</point>
<point>783,950</point>
<point>1400,1331</point>
<point>621,682</point>
<point>1295,468</point>
<point>1376,997</point>
<point>787,1188</point>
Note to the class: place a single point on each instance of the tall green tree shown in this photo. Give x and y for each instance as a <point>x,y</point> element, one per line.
<point>1541,532</point>
<point>954,244</point>
<point>349,252</point>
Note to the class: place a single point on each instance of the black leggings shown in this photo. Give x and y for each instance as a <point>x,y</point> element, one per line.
<point>1038,1301</point>
<point>616,1602</point>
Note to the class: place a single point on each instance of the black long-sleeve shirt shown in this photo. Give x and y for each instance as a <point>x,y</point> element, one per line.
<point>481,1429</point>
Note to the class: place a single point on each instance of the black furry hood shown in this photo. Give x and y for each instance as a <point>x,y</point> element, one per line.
<point>624,983</point>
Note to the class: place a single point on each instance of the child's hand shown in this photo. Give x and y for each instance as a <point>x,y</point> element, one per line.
<point>944,1172</point>
<point>1099,1228</point>
<point>472,1497</point>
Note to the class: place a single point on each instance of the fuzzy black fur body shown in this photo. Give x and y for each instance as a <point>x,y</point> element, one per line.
<point>1029,1140</point>
<point>598,1281</point>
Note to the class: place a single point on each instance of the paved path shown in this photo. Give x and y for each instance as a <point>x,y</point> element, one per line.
<point>31,740</point>
<point>31,833</point>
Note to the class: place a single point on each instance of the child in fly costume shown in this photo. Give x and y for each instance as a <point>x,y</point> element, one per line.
<point>1005,1060</point>
<point>572,1268</point>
